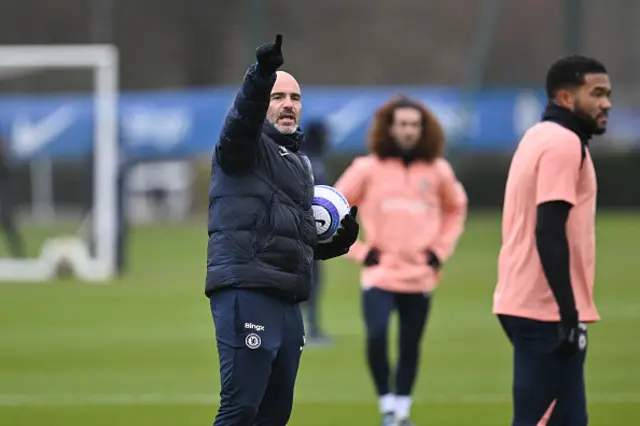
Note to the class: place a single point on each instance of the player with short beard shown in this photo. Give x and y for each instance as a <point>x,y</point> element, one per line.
<point>544,294</point>
<point>413,210</point>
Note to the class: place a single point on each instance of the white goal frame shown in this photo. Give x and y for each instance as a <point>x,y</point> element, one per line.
<point>103,60</point>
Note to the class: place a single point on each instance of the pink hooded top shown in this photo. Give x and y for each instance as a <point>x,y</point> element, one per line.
<point>404,211</point>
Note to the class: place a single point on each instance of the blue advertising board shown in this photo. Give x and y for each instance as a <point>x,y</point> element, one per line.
<point>187,123</point>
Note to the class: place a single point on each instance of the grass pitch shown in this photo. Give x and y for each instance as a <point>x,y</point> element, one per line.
<point>141,351</point>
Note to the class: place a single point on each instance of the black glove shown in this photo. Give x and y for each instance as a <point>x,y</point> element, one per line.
<point>344,238</point>
<point>373,258</point>
<point>269,56</point>
<point>572,335</point>
<point>433,261</point>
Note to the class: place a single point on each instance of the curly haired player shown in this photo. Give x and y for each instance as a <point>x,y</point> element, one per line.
<point>413,210</point>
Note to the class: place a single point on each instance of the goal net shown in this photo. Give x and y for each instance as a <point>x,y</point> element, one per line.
<point>59,134</point>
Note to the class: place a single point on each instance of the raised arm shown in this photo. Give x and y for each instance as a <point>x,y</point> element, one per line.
<point>238,146</point>
<point>454,211</point>
<point>558,173</point>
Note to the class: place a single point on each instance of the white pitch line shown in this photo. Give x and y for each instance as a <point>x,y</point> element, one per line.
<point>21,400</point>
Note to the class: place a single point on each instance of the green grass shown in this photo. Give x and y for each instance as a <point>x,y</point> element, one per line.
<point>141,351</point>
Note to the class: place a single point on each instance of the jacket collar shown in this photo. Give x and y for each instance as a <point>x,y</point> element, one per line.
<point>292,142</point>
<point>569,120</point>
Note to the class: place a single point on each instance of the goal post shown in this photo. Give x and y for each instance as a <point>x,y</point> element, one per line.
<point>102,60</point>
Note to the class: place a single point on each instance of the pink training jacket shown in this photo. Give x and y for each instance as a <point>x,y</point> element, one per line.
<point>404,211</point>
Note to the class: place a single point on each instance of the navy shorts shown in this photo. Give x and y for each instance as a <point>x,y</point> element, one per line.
<point>260,339</point>
<point>541,376</point>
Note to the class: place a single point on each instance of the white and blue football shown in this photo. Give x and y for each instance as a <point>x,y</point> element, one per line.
<point>329,208</point>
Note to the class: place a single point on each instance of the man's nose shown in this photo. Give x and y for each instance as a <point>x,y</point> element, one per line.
<point>288,103</point>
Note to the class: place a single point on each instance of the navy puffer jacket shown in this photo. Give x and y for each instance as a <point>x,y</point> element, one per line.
<point>262,233</point>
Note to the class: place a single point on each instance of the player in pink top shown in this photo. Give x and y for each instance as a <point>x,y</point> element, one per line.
<point>544,295</point>
<point>413,210</point>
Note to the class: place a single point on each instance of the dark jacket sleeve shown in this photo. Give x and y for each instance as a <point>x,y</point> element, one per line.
<point>553,248</point>
<point>238,147</point>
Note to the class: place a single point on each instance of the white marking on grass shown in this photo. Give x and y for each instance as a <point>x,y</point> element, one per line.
<point>22,400</point>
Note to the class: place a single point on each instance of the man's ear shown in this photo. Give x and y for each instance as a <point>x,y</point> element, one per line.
<point>566,98</point>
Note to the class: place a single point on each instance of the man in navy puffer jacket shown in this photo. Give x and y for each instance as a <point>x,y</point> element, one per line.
<point>262,243</point>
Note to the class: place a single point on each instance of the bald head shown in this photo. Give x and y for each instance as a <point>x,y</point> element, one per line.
<point>286,103</point>
<point>284,78</point>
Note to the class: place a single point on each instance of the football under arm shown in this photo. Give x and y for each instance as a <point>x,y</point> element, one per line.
<point>238,147</point>
<point>553,249</point>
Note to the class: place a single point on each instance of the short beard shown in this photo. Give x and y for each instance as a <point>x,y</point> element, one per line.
<point>590,121</point>
<point>288,130</point>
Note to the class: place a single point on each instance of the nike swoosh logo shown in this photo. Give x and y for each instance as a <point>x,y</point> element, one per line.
<point>31,137</point>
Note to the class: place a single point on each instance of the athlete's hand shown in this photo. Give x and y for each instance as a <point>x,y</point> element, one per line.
<point>344,238</point>
<point>572,336</point>
<point>433,261</point>
<point>373,258</point>
<point>269,56</point>
<point>347,233</point>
